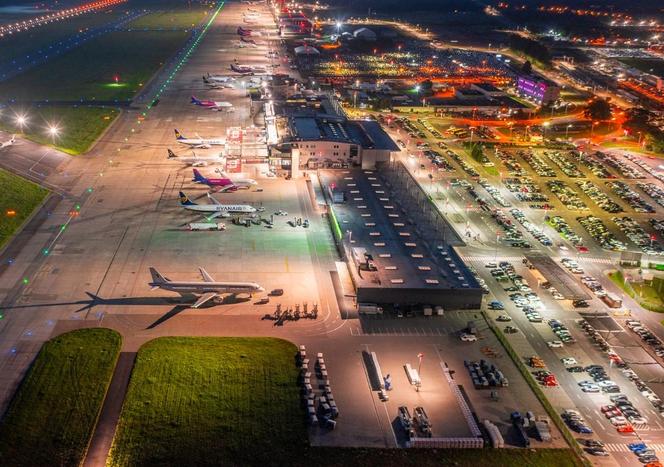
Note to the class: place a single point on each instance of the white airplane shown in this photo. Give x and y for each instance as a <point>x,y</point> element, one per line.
<point>194,160</point>
<point>217,79</point>
<point>207,290</point>
<point>239,182</point>
<point>213,105</point>
<point>9,142</point>
<point>244,45</point>
<point>216,209</point>
<point>199,143</point>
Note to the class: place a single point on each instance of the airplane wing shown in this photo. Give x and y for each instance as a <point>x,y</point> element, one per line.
<point>206,277</point>
<point>206,297</point>
<point>213,199</point>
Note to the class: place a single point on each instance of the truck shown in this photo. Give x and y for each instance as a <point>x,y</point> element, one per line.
<point>612,300</point>
<point>517,422</point>
<point>369,309</point>
<point>406,421</point>
<point>542,429</point>
<point>428,311</point>
<point>423,421</point>
<point>471,328</point>
<point>206,226</point>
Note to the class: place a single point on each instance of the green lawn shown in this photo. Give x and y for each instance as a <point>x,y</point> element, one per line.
<point>173,19</point>
<point>53,414</point>
<point>20,197</point>
<point>211,401</point>
<point>649,294</point>
<point>79,127</point>
<point>447,457</point>
<point>88,72</point>
<point>30,41</point>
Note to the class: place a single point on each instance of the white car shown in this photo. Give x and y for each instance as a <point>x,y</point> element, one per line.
<point>468,337</point>
<point>554,344</point>
<point>281,213</point>
<point>590,388</point>
<point>568,361</point>
<point>617,421</point>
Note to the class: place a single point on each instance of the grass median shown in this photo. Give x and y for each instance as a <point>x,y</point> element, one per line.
<point>78,126</point>
<point>52,416</point>
<point>20,197</point>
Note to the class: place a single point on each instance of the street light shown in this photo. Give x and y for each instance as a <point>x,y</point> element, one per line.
<point>567,131</point>
<point>21,121</point>
<point>545,125</point>
<point>53,131</point>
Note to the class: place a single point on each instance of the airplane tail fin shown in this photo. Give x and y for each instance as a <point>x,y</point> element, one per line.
<point>178,135</point>
<point>171,154</point>
<point>198,177</point>
<point>195,101</point>
<point>157,278</point>
<point>185,201</point>
<point>205,80</point>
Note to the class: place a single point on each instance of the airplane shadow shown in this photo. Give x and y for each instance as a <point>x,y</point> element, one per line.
<point>180,304</point>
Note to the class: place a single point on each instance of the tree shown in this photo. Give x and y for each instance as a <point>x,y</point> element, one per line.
<point>527,67</point>
<point>598,109</point>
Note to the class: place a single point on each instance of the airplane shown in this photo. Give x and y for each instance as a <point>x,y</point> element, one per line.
<point>247,69</point>
<point>194,160</point>
<point>224,184</point>
<point>241,69</point>
<point>216,209</point>
<point>218,81</point>
<point>213,105</point>
<point>247,41</point>
<point>244,45</point>
<point>239,182</point>
<point>9,142</point>
<point>199,143</point>
<point>208,290</point>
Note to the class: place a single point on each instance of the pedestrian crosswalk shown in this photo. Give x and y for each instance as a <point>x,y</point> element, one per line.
<point>405,332</point>
<point>620,447</point>
<point>588,259</point>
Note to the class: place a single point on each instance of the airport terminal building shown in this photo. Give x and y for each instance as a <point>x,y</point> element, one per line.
<point>314,132</point>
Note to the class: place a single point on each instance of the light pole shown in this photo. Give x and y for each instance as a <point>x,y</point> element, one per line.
<point>567,131</point>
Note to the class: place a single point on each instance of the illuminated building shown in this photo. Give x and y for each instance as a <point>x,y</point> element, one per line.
<point>538,89</point>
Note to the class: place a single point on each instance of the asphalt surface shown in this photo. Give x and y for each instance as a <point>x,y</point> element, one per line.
<point>96,271</point>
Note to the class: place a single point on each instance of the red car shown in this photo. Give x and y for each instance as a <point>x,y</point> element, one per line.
<point>625,429</point>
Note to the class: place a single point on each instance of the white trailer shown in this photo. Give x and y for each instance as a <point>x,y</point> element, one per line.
<point>206,226</point>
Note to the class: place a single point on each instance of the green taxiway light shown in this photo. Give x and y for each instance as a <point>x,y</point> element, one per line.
<point>90,190</point>
<point>78,207</point>
<point>45,251</point>
<point>25,280</point>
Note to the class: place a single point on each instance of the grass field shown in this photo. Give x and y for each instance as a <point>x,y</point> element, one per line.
<point>131,56</point>
<point>171,19</point>
<point>39,38</point>
<point>654,66</point>
<point>79,127</point>
<point>650,295</point>
<point>446,457</point>
<point>211,401</point>
<point>20,197</point>
<point>52,415</point>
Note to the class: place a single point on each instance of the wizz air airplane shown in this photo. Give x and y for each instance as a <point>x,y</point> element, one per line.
<point>213,105</point>
<point>243,32</point>
<point>223,184</point>
<point>216,209</point>
<point>207,290</point>
<point>238,182</point>
<point>194,160</point>
<point>9,142</point>
<point>199,143</point>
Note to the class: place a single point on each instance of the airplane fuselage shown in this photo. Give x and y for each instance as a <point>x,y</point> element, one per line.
<point>194,287</point>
